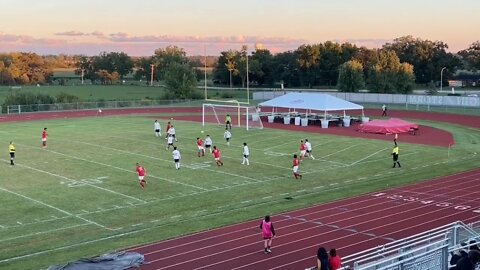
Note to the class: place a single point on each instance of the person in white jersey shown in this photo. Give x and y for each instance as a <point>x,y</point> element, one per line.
<point>246,153</point>
<point>157,128</point>
<point>172,133</point>
<point>309,149</point>
<point>227,135</point>
<point>208,143</point>
<point>176,157</point>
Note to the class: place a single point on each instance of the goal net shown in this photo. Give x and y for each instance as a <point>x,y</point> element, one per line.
<point>242,116</point>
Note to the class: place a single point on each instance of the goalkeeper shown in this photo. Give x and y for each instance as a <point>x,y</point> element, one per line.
<point>228,122</point>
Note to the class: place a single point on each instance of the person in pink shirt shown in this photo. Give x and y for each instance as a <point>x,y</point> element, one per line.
<point>268,232</point>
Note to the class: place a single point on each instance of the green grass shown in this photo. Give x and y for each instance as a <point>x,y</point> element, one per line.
<point>93,92</point>
<point>81,196</point>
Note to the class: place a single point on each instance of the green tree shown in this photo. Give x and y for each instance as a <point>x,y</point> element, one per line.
<point>180,80</point>
<point>471,56</point>
<point>350,78</point>
<point>164,57</point>
<point>307,59</point>
<point>427,57</point>
<point>389,75</point>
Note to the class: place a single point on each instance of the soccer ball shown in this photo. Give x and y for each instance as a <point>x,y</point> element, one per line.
<point>171,118</point>
<point>202,131</point>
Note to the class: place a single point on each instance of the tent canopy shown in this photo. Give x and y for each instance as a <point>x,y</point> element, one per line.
<point>311,101</point>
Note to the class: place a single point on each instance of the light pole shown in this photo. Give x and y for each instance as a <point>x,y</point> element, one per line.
<point>441,78</point>
<point>83,73</point>
<point>151,74</point>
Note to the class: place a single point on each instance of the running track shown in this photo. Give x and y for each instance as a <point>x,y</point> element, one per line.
<point>350,225</point>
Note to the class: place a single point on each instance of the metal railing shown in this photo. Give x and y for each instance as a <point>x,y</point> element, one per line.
<point>77,106</point>
<point>430,247</point>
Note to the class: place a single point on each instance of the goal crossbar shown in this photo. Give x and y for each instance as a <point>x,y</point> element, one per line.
<point>242,115</point>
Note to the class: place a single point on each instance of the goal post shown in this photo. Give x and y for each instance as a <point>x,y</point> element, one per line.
<point>242,116</point>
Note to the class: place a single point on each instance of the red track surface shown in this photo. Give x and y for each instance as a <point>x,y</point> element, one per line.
<point>350,225</point>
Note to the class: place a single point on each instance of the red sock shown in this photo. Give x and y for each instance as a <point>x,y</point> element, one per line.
<point>142,183</point>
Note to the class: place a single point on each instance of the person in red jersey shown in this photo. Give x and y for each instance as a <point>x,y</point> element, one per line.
<point>216,156</point>
<point>296,162</point>
<point>141,175</point>
<point>268,232</point>
<point>303,150</point>
<point>44,138</point>
<point>201,150</point>
<point>169,125</point>
<point>334,262</point>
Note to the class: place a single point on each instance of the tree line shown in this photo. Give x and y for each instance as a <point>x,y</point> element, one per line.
<point>393,68</point>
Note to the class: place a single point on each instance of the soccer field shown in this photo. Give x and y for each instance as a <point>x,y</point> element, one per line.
<point>81,197</point>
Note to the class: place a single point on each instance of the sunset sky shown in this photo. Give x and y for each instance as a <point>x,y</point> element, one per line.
<point>139,27</point>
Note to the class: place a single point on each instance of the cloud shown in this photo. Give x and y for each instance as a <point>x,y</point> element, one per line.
<point>366,42</point>
<point>70,34</point>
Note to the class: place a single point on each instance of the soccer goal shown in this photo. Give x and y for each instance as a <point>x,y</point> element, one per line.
<point>242,116</point>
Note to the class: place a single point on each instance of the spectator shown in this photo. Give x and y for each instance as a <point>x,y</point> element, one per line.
<point>268,233</point>
<point>322,259</point>
<point>461,253</point>
<point>468,263</point>
<point>334,262</point>
<point>473,245</point>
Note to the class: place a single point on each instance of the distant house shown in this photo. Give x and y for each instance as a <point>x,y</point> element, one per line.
<point>467,79</point>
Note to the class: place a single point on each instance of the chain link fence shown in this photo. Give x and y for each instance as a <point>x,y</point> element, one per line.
<point>104,105</point>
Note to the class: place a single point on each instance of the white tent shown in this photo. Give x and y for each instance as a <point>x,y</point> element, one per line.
<point>312,102</point>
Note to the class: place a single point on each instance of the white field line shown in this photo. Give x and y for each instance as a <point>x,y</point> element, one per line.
<point>118,168</point>
<point>339,151</point>
<point>380,159</point>
<point>206,153</point>
<point>56,208</point>
<point>367,157</point>
<point>69,179</point>
<point>169,161</point>
<point>123,234</point>
<point>44,232</point>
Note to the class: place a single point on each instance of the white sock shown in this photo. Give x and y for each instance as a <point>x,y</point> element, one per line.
<point>248,162</point>
<point>243,161</point>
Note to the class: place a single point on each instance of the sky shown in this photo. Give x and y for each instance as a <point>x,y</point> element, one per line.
<point>139,27</point>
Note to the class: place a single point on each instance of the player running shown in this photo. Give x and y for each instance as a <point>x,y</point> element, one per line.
<point>176,157</point>
<point>296,162</point>
<point>201,150</point>
<point>308,145</point>
<point>169,125</point>
<point>169,141</point>
<point>246,153</point>
<point>141,175</point>
<point>44,138</point>
<point>157,128</point>
<point>216,156</point>
<point>172,132</point>
<point>208,143</point>
<point>303,150</point>
<point>227,135</point>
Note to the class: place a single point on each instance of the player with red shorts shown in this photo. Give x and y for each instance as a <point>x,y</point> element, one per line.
<point>216,156</point>
<point>141,175</point>
<point>303,150</point>
<point>296,162</point>
<point>44,138</point>
<point>169,125</point>
<point>201,150</point>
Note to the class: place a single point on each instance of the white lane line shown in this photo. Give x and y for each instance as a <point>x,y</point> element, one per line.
<point>368,156</point>
<point>56,208</point>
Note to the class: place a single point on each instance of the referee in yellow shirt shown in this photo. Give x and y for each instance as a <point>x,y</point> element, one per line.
<point>11,149</point>
<point>395,156</point>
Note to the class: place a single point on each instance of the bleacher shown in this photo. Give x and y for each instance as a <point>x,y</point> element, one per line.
<point>428,250</point>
